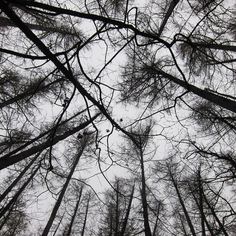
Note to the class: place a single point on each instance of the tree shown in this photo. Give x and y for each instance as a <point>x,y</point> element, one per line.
<point>201,207</point>
<point>74,213</point>
<point>71,70</point>
<point>83,143</point>
<point>15,222</point>
<point>117,220</point>
<point>137,149</point>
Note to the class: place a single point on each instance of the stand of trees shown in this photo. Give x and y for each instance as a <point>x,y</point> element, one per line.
<point>117,117</point>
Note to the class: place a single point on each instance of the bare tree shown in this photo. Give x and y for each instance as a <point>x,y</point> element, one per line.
<point>70,70</point>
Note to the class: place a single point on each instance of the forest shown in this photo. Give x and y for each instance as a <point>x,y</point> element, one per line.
<point>117,118</point>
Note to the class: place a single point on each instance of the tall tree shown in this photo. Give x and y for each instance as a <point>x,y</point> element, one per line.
<point>117,219</point>
<point>71,69</point>
<point>84,142</point>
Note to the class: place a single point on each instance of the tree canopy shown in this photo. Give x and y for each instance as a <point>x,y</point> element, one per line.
<point>117,117</point>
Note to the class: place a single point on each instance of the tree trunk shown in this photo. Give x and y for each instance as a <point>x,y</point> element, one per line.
<point>42,135</point>
<point>6,217</point>
<point>144,197</point>
<point>5,162</point>
<point>75,212</point>
<point>214,46</point>
<point>200,191</point>
<point>206,94</point>
<point>14,183</point>
<point>18,193</point>
<point>182,204</point>
<point>157,219</point>
<point>117,215</point>
<point>203,216</point>
<point>182,224</point>
<point>124,225</point>
<point>86,216</point>
<point>169,12</point>
<point>58,225</point>
<point>61,195</point>
<point>5,22</point>
<point>28,92</point>
<point>222,228</point>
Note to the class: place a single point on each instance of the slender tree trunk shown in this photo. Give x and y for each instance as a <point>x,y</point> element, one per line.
<point>169,12</point>
<point>183,226</point>
<point>61,195</point>
<point>214,46</point>
<point>157,219</point>
<point>200,191</point>
<point>6,217</point>
<point>203,216</point>
<point>42,135</point>
<point>144,197</point>
<point>200,204</point>
<point>125,223</point>
<point>5,22</point>
<point>212,97</point>
<point>75,212</point>
<point>86,216</point>
<point>13,233</point>
<point>5,162</point>
<point>58,225</point>
<point>117,215</point>
<point>111,225</point>
<point>14,183</point>
<point>28,92</point>
<point>18,193</point>
<point>222,228</point>
<point>182,204</point>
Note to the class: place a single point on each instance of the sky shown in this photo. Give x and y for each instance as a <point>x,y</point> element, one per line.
<point>92,59</point>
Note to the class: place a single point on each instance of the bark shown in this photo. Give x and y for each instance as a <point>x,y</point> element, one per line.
<point>157,219</point>
<point>219,100</point>
<point>6,217</point>
<point>28,92</point>
<point>5,162</point>
<point>183,226</point>
<point>5,22</point>
<point>214,46</point>
<point>125,223</point>
<point>42,135</point>
<point>14,183</point>
<point>191,227</point>
<point>62,193</point>
<point>18,193</point>
<point>89,16</point>
<point>203,216</point>
<point>144,197</point>
<point>86,216</point>
<point>117,216</point>
<point>67,73</point>
<point>222,228</point>
<point>75,212</point>
<point>169,12</point>
<point>58,225</point>
<point>200,190</point>
<point>206,94</point>
<point>111,224</point>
